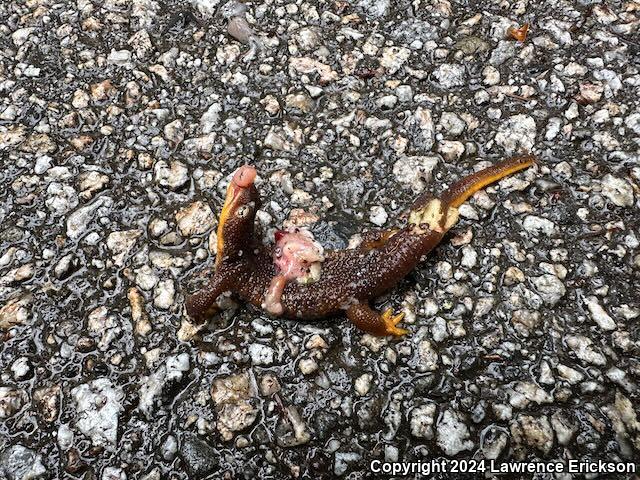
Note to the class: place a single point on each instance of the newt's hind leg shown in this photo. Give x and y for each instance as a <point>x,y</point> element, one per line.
<point>376,238</point>
<point>367,319</point>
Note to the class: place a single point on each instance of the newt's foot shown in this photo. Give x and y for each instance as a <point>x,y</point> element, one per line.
<point>391,321</point>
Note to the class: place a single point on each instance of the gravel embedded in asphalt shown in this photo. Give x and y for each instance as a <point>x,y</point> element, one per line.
<point>120,125</point>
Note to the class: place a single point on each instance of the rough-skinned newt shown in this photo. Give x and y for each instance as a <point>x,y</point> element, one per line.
<point>349,279</point>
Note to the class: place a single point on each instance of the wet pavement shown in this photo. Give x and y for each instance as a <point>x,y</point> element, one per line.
<point>120,125</point>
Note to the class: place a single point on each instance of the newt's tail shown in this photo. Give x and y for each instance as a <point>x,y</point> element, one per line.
<point>439,214</point>
<point>460,191</point>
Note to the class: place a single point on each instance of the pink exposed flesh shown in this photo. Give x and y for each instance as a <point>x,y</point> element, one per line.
<point>273,295</point>
<point>293,255</point>
<point>294,252</point>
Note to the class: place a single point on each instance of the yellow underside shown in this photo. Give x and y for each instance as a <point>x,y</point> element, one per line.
<point>224,215</point>
<point>488,180</point>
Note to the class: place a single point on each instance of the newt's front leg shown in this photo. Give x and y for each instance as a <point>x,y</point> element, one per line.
<point>367,319</point>
<point>202,304</point>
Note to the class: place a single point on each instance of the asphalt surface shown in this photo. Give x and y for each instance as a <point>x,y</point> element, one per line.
<point>120,125</point>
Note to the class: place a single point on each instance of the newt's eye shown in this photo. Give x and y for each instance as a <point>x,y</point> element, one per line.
<point>243,211</point>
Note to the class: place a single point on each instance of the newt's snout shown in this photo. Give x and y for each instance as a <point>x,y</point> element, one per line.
<point>244,177</point>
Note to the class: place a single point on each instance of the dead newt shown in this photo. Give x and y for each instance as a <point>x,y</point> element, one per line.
<point>348,279</point>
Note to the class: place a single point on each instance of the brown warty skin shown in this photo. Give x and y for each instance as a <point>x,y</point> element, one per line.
<point>349,278</point>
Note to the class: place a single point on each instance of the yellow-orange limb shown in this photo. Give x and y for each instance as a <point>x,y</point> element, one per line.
<point>460,191</point>
<point>381,324</point>
<point>519,34</point>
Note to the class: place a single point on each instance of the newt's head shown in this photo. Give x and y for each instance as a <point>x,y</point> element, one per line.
<point>235,226</point>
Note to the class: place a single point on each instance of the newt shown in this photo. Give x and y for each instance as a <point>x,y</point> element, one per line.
<point>282,282</point>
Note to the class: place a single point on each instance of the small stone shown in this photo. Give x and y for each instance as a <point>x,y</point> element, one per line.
<point>206,8</point>
<point>590,93</point>
<point>269,385</point>
<point>533,432</point>
<point>233,398</point>
<point>199,458</point>
<point>427,357</point>
<point>524,393</point>
<point>91,182</point>
<point>271,104</point>
<point>393,58</point>
<point>452,124</point>
<point>449,75</point>
<point>415,172</point>
<point>517,133</point>
<point>121,243</point>
<point>211,118</point>
<point>20,463</point>
<point>617,190</point>
<point>164,294</point>
<point>537,225</point>
<point>31,71</point>
<point>261,354</point>
<point>141,44</point>
<point>343,460</point>
<point>78,221</point>
<point>60,198</point>
<point>307,366</point>
<point>174,132</point>
<point>11,401</point>
<point>292,431</point>
<point>490,75</point>
<point>422,419</point>
<point>14,312</point>
<point>173,175</point>
<point>452,433</point>
<point>308,38</point>
<point>146,278</point>
<point>139,316</point>
<point>195,219</point>
<point>307,65</point>
<point>119,57</point>
<point>65,437</point>
<point>404,93</point>
<point>546,375</point>
<point>170,373</point>
<point>102,90</point>
<point>426,131</point>
<point>584,350</point>
<point>525,321</point>
<point>21,35</point>
<point>439,330</point>
<point>494,443</point>
<point>550,288</point>
<point>633,122</point>
<point>20,368</point>
<point>391,453</point>
<point>378,215</point>
<point>565,429</point>
<point>375,8</point>
<point>599,315</point>
<point>98,404</point>
<point>469,257</point>
<point>80,99</point>
<point>569,374</point>
<point>363,384</point>
<point>299,101</point>
<point>43,164</point>
<point>451,150</point>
